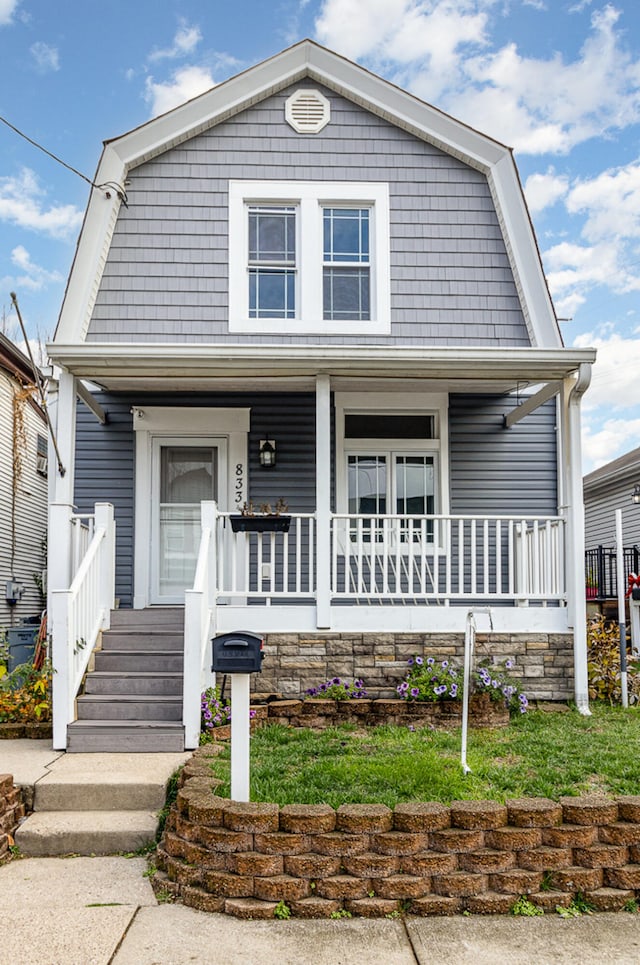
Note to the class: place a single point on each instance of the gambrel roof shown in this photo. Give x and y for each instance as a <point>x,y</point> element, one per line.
<point>306,61</point>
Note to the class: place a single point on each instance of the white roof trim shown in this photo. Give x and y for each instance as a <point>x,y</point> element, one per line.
<point>303,61</point>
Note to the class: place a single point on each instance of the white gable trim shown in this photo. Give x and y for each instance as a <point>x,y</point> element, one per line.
<point>309,60</point>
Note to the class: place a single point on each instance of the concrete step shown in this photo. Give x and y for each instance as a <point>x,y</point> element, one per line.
<point>141,639</point>
<point>129,707</point>
<point>85,832</point>
<point>124,736</point>
<point>147,661</point>
<point>161,617</point>
<point>102,682</point>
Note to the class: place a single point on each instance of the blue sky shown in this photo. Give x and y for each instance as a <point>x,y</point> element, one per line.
<point>558,80</point>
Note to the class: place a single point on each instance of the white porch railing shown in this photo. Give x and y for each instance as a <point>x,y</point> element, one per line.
<point>199,625</point>
<point>79,613</point>
<point>82,530</point>
<point>440,559</point>
<point>391,558</point>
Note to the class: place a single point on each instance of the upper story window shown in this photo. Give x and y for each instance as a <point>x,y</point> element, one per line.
<point>308,257</point>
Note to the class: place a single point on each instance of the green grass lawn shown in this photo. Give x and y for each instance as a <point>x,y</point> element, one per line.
<point>538,754</point>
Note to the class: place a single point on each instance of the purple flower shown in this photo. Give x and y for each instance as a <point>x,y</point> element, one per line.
<point>415,691</point>
<point>444,664</point>
<point>453,692</point>
<point>495,684</point>
<point>440,690</point>
<point>411,727</point>
<point>430,661</point>
<point>419,661</point>
<point>410,661</point>
<point>508,664</point>
<point>336,681</point>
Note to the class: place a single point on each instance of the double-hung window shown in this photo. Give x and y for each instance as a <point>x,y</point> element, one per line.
<point>272,261</point>
<point>308,257</point>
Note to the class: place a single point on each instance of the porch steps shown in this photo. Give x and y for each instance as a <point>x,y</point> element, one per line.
<point>132,699</point>
<point>97,804</point>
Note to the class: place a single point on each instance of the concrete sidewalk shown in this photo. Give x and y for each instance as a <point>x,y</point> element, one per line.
<point>102,911</point>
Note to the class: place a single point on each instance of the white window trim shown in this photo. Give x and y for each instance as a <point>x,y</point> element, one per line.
<point>394,403</point>
<point>309,197</point>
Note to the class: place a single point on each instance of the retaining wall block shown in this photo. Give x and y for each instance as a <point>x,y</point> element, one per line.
<point>610,899</point>
<point>515,882</point>
<point>601,856</point>
<point>620,833</point>
<point>513,839</point>
<point>490,903</point>
<point>626,877</point>
<point>577,879</point>
<point>478,815</point>
<point>251,817</point>
<point>315,907</point>
<point>364,818</point>
<point>430,863</point>
<point>250,864</point>
<point>307,818</point>
<point>569,836</point>
<point>399,842</point>
<point>629,808</point>
<point>533,812</point>
<point>372,907</point>
<point>343,886</point>
<point>421,816</point>
<point>338,843</point>
<point>401,887</point>
<point>455,839</point>
<point>250,909</point>
<point>486,860</point>
<point>546,859</point>
<point>591,809</point>
<point>282,888</point>
<point>370,865</point>
<point>311,865</point>
<point>460,884</point>
<point>281,842</point>
<point>201,900</point>
<point>436,905</point>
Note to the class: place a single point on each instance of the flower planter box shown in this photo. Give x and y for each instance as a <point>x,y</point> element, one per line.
<point>260,524</point>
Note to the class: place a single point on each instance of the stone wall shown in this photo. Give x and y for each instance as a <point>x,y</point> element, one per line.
<point>419,858</point>
<point>11,811</point>
<point>543,662</point>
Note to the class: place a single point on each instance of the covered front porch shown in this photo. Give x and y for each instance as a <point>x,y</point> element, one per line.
<point>335,570</point>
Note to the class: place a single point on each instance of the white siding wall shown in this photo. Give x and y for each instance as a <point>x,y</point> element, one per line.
<point>31,510</point>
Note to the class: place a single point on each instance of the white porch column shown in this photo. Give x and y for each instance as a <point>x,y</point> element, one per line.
<point>572,393</point>
<point>323,502</point>
<point>59,548</point>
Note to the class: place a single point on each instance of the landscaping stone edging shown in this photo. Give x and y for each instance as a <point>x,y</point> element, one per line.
<point>421,858</point>
<point>11,811</point>
<point>318,713</point>
<point>36,730</point>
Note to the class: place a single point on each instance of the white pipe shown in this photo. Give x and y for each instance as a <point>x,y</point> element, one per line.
<point>469,643</point>
<point>622,626</point>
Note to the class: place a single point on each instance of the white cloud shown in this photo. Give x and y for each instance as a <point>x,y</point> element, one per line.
<point>611,202</point>
<point>602,444</point>
<point>617,365</point>
<point>185,83</point>
<point>7,10</point>
<point>440,50</point>
<point>46,57</point>
<point>186,39</point>
<point>22,203</point>
<point>543,190</point>
<point>34,276</point>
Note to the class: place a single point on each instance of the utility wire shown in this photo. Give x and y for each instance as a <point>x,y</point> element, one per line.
<point>122,194</point>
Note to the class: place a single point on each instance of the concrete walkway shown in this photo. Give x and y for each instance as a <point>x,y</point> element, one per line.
<point>102,911</point>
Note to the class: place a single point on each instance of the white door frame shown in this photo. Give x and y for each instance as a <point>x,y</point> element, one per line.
<point>187,423</point>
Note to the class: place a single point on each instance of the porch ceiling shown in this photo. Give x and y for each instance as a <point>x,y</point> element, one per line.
<point>190,367</point>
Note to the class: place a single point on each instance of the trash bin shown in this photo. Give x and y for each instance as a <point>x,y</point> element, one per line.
<point>22,644</point>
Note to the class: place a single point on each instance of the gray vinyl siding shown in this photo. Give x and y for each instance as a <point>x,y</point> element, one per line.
<point>166,276</point>
<point>501,471</point>
<point>105,458</point>
<point>600,515</point>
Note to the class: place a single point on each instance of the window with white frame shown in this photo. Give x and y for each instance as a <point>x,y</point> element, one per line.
<point>308,257</point>
<point>393,462</point>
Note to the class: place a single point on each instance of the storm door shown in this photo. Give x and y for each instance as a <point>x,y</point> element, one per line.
<point>183,477</point>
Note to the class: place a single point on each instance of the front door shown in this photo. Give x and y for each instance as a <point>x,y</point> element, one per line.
<point>183,476</point>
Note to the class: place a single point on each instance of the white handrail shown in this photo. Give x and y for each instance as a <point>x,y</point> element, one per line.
<point>199,623</point>
<point>78,615</point>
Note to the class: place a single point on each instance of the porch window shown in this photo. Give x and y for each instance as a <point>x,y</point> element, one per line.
<point>391,483</point>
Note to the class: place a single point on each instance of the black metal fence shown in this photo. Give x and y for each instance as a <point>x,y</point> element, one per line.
<point>600,570</point>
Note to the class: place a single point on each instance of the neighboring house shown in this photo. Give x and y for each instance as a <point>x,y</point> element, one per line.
<point>309,260</point>
<point>23,489</point>
<point>606,490</point>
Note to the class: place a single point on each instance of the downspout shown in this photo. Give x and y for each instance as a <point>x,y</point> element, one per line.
<point>577,616</point>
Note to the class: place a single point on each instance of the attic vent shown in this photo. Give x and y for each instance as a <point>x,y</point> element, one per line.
<point>307,111</point>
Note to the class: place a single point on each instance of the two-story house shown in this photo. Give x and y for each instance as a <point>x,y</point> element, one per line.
<point>308,285</point>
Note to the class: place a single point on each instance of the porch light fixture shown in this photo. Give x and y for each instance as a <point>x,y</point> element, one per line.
<point>267,453</point>
<point>635,495</point>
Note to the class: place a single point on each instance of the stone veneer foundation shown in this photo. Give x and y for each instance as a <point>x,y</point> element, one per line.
<point>419,858</point>
<point>11,811</point>
<point>296,662</point>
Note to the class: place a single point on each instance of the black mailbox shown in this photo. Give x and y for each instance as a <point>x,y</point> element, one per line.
<point>635,593</point>
<point>240,652</point>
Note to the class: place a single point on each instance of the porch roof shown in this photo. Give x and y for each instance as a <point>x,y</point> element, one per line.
<point>198,366</point>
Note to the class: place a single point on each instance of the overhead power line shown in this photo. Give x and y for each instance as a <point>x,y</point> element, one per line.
<point>105,186</point>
